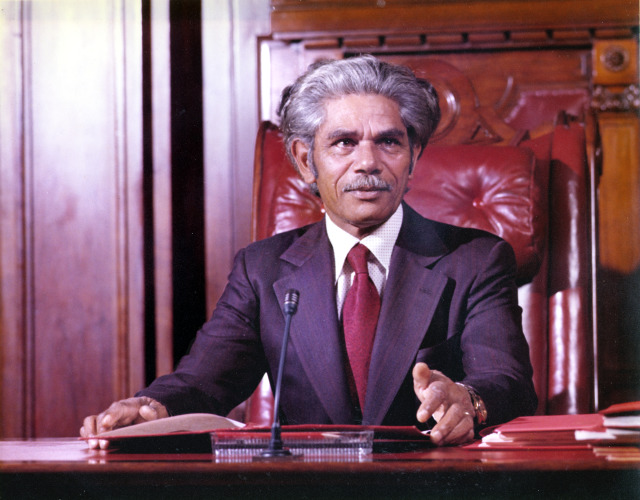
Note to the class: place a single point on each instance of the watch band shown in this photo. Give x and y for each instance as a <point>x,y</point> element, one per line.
<point>478,404</point>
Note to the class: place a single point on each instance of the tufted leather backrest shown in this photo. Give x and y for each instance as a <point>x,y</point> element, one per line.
<point>497,189</point>
<point>534,195</point>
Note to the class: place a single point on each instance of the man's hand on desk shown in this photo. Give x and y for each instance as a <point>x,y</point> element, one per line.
<point>448,403</point>
<point>120,414</point>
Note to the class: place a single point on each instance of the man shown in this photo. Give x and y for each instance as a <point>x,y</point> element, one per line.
<point>438,304</point>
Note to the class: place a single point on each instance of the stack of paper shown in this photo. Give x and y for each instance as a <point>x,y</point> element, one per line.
<point>617,425</point>
<point>620,425</point>
<point>540,432</point>
<point>623,416</point>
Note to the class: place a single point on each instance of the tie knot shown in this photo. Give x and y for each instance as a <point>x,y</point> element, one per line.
<point>357,257</point>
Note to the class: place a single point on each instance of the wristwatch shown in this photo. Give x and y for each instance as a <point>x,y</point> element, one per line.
<point>478,404</point>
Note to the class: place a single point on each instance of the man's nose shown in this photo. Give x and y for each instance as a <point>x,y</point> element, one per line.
<point>367,160</point>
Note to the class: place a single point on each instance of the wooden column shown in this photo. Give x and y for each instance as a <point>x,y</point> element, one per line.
<point>230,32</point>
<point>616,99</point>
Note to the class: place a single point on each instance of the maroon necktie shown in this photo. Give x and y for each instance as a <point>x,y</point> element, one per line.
<point>359,319</point>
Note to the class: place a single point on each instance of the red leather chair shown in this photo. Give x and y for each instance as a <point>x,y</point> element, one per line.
<point>535,195</point>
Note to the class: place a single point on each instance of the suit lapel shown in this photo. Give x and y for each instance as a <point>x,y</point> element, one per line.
<point>410,300</point>
<point>314,334</point>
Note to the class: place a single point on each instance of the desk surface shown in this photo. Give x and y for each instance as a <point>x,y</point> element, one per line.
<point>66,468</point>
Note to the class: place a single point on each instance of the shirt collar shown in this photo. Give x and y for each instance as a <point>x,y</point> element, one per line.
<point>380,242</point>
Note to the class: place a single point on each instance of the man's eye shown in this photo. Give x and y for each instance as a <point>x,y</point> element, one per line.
<point>344,142</point>
<point>390,141</point>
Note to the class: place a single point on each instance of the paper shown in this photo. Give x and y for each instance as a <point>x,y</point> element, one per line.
<point>188,423</point>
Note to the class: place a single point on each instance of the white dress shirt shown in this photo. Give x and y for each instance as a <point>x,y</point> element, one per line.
<point>380,243</point>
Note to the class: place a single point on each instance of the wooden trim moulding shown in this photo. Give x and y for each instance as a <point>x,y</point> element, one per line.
<point>319,18</point>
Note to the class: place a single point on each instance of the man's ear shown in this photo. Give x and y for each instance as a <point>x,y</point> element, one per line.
<point>417,152</point>
<point>300,153</point>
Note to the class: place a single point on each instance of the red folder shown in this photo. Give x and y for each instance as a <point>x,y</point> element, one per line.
<point>546,426</point>
<point>538,432</point>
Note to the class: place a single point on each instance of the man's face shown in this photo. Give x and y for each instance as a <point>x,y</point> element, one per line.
<point>362,158</point>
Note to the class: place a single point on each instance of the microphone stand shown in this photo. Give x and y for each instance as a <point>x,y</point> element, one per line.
<point>276,449</point>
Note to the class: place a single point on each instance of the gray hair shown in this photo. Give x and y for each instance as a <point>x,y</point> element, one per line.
<point>302,110</point>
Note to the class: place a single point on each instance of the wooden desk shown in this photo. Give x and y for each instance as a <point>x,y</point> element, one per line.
<point>65,468</point>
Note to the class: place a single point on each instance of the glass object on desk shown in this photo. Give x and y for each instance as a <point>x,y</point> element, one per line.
<point>333,446</point>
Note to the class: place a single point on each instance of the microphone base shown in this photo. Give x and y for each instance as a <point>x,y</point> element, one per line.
<point>275,454</point>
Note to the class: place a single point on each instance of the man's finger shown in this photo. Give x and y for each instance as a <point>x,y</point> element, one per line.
<point>421,378</point>
<point>434,398</point>
<point>456,426</point>
<point>119,414</point>
<point>88,428</point>
<point>153,411</point>
<point>105,422</point>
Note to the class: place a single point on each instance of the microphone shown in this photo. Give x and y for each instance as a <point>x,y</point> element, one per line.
<point>276,449</point>
<point>291,299</point>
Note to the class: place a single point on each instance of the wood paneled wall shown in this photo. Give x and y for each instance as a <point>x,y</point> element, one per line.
<point>71,256</point>
<point>94,145</point>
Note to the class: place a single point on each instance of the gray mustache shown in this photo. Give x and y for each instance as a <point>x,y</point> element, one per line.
<point>367,182</point>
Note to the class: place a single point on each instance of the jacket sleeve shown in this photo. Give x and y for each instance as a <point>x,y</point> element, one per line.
<point>495,353</point>
<point>226,361</point>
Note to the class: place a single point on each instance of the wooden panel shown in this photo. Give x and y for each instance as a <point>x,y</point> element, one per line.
<point>161,180</point>
<point>619,263</point>
<point>219,158</point>
<point>619,208</point>
<point>291,17</point>
<point>79,194</point>
<point>544,81</point>
<point>13,403</point>
<point>80,254</point>
<point>524,90</point>
<point>230,86</point>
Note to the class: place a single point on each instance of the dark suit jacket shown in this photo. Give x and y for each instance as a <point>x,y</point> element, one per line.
<point>450,300</point>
